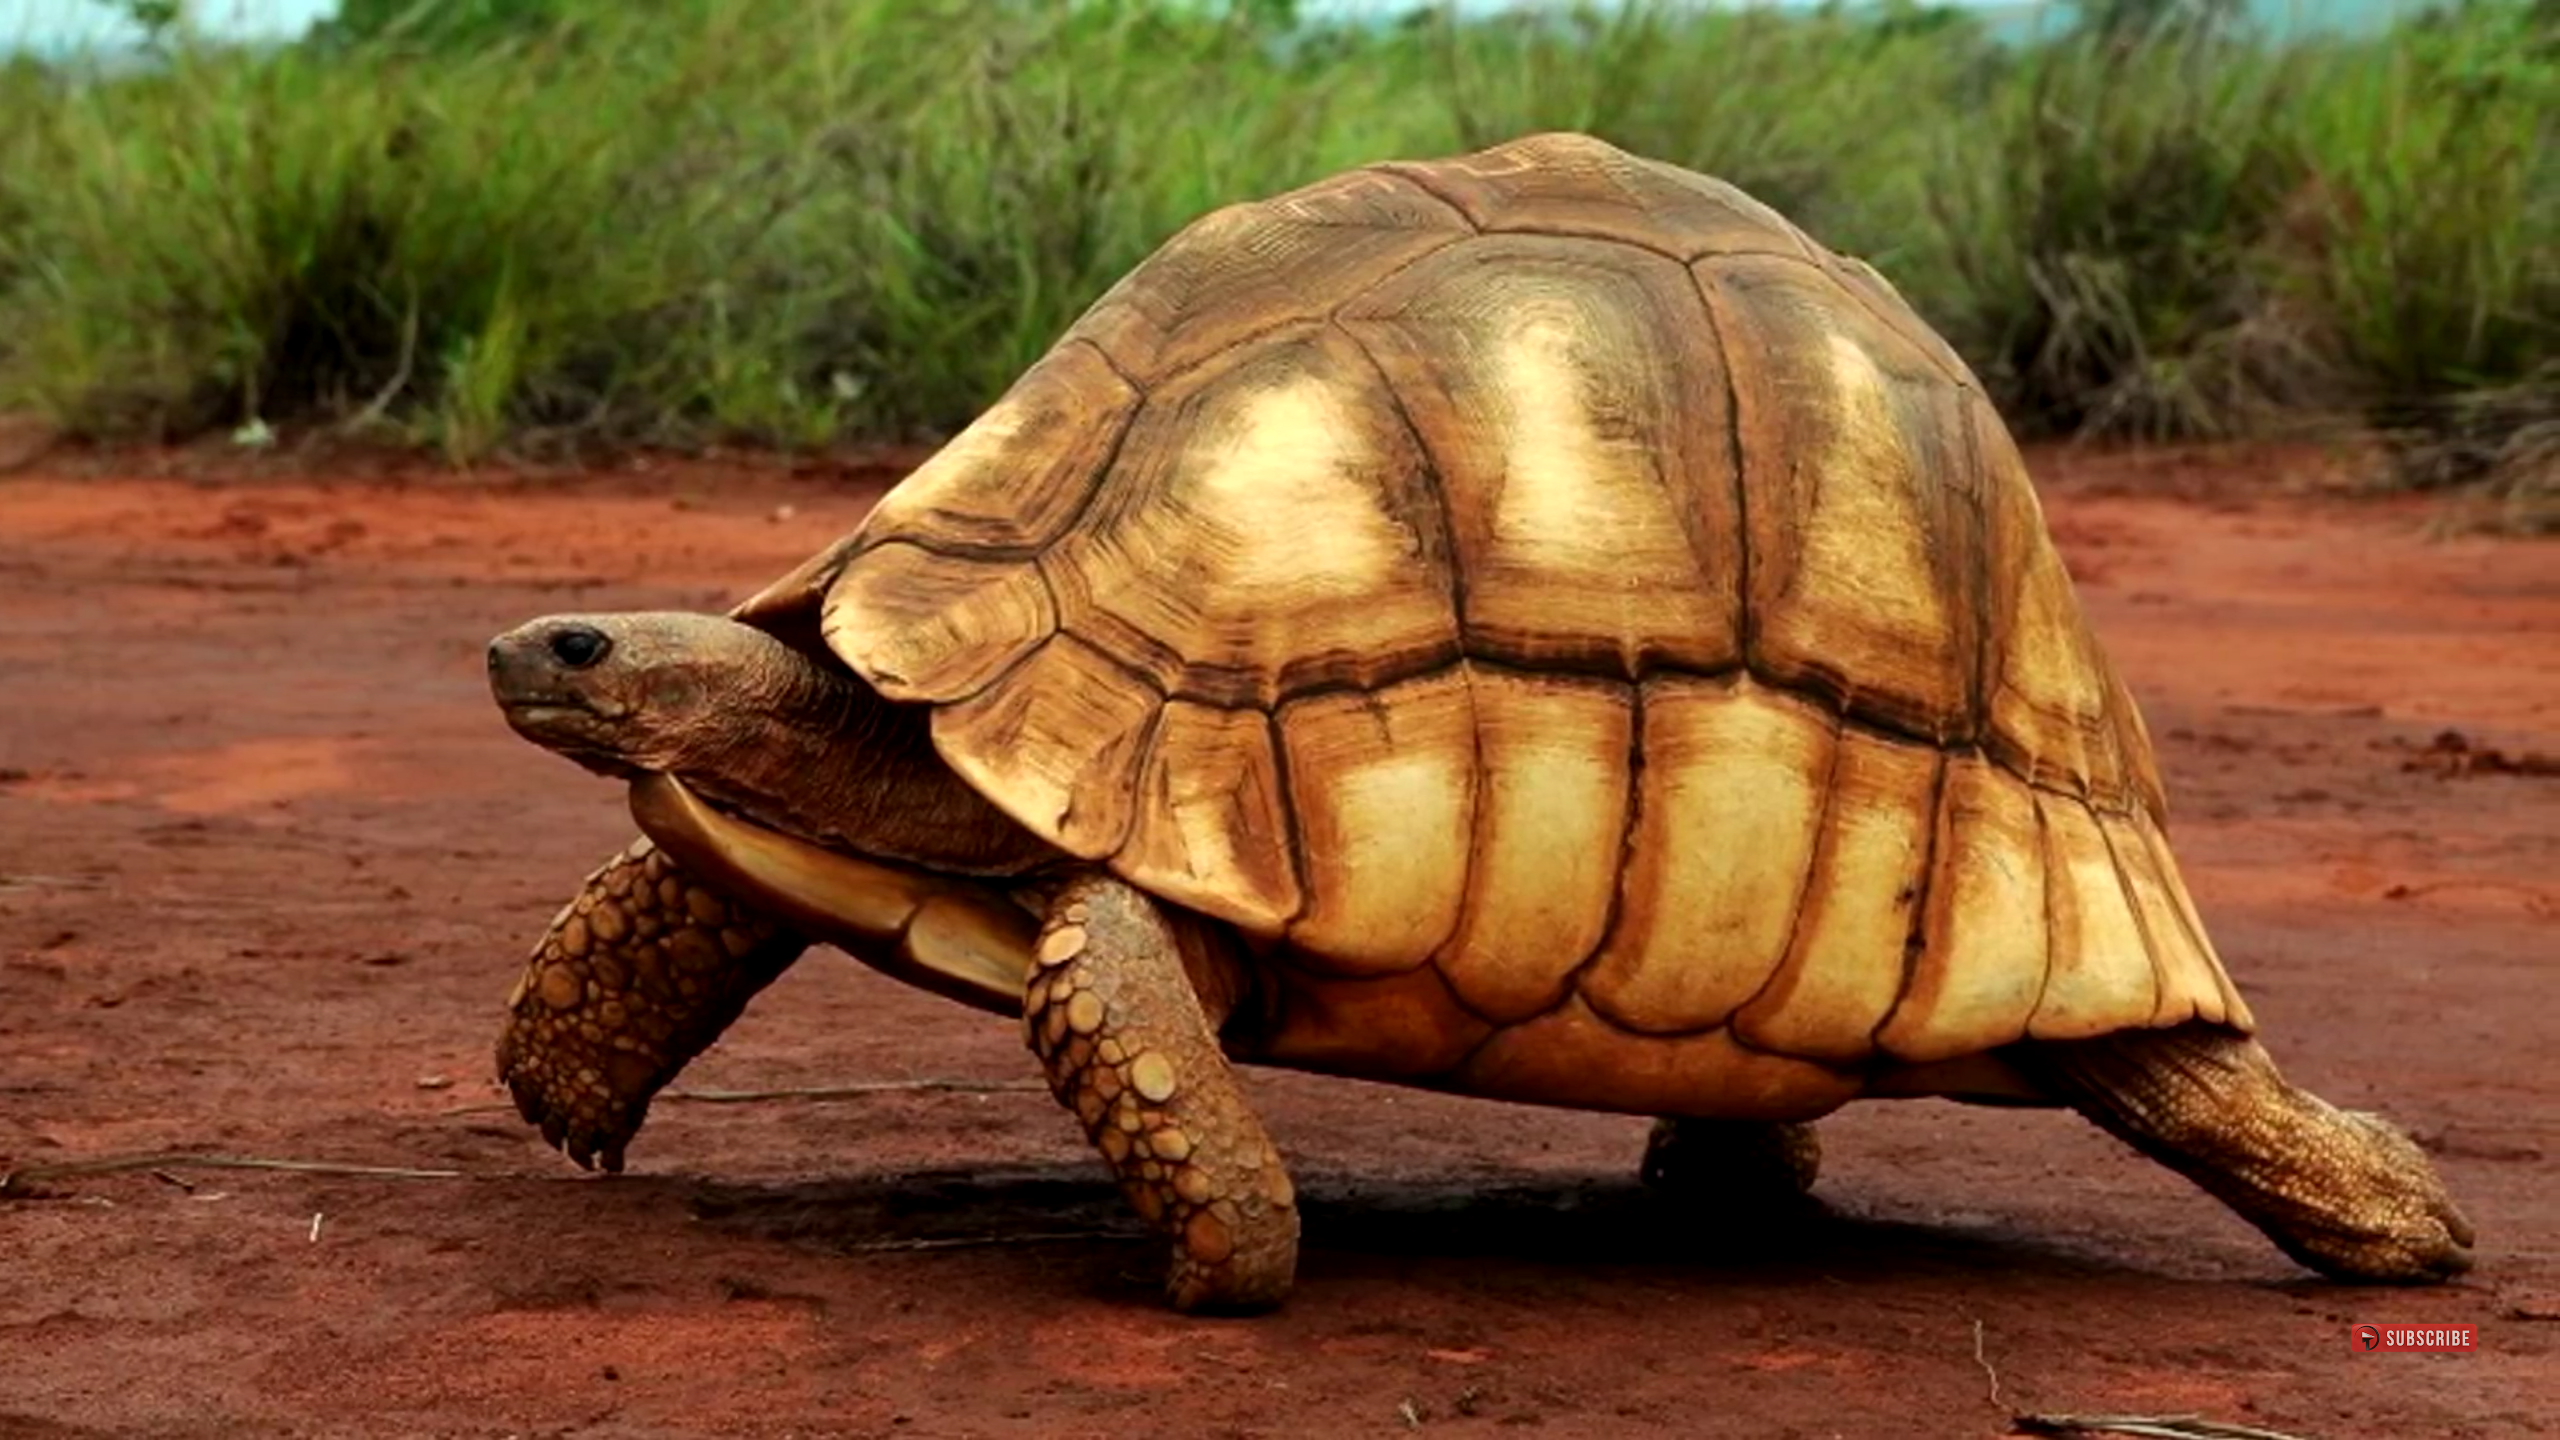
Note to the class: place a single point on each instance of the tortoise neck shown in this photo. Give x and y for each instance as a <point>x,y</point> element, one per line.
<point>817,753</point>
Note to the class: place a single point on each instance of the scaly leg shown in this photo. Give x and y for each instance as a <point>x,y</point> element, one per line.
<point>1742,1165</point>
<point>635,977</point>
<point>1128,1046</point>
<point>2341,1191</point>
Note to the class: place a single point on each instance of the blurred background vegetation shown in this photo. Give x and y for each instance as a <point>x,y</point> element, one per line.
<point>504,224</point>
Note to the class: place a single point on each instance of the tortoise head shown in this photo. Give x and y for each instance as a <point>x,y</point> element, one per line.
<point>765,730</point>
<point>653,691</point>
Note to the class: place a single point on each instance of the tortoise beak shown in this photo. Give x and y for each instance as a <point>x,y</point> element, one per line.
<point>544,677</point>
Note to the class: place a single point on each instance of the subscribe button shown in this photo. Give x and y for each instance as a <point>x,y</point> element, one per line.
<point>2411,1338</point>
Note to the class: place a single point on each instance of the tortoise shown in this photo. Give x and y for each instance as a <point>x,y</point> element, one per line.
<point>1530,624</point>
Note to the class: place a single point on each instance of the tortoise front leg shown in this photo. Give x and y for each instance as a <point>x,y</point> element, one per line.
<point>635,977</point>
<point>2341,1191</point>
<point>1734,1166</point>
<point>1128,1046</point>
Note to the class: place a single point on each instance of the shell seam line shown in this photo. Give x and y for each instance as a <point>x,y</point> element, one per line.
<point>979,690</point>
<point>1101,473</point>
<point>1430,479</point>
<point>2044,872</point>
<point>1333,313</point>
<point>2180,912</point>
<point>1745,622</point>
<point>1456,1069</point>
<point>1109,362</point>
<point>1984,621</point>
<point>2141,925</point>
<point>1169,378</point>
<point>1915,939</point>
<point>1823,844</point>
<point>1463,659</point>
<point>1153,729</point>
<point>1685,259</point>
<point>1710,257</point>
<point>1399,170</point>
<point>1650,671</point>
<point>1291,952</point>
<point>1293,843</point>
<point>1627,830</point>
<point>1434,489</point>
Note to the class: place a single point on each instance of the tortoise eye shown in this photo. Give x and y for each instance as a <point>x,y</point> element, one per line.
<point>579,646</point>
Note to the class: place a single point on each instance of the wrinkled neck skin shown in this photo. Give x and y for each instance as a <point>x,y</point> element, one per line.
<point>821,755</point>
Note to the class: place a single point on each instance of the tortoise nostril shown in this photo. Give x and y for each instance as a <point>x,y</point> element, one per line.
<point>579,646</point>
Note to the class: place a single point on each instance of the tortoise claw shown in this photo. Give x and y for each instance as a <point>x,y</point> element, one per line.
<point>528,1104</point>
<point>564,1128</point>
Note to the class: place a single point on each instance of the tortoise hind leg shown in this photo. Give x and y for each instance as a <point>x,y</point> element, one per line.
<point>2343,1192</point>
<point>1129,1047</point>
<point>1733,1165</point>
<point>635,977</point>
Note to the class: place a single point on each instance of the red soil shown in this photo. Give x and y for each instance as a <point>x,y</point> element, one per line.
<point>269,861</point>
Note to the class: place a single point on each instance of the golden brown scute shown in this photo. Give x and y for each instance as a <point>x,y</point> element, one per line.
<point>1546,590</point>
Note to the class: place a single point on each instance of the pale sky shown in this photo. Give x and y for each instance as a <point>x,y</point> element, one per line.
<point>73,24</point>
<point>55,25</point>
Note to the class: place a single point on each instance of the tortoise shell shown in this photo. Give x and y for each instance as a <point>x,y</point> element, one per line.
<point>1593,641</point>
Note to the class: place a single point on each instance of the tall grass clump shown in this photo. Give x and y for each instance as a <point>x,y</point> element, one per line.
<point>2499,445</point>
<point>482,223</point>
<point>227,239</point>
<point>2440,159</point>
<point>736,217</point>
<point>1782,104</point>
<point>25,89</point>
<point>2123,228</point>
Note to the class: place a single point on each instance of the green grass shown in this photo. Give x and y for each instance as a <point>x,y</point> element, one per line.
<point>506,226</point>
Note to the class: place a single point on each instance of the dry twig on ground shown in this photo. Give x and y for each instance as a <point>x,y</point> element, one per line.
<point>1983,1360</point>
<point>852,1091</point>
<point>968,1242</point>
<point>2143,1427</point>
<point>22,1181</point>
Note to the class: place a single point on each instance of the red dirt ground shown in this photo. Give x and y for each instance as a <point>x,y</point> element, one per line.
<point>269,862</point>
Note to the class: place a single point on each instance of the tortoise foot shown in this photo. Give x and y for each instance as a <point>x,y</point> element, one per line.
<point>2387,1218</point>
<point>636,976</point>
<point>1741,1166</point>
<point>1128,1047</point>
<point>2342,1192</point>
